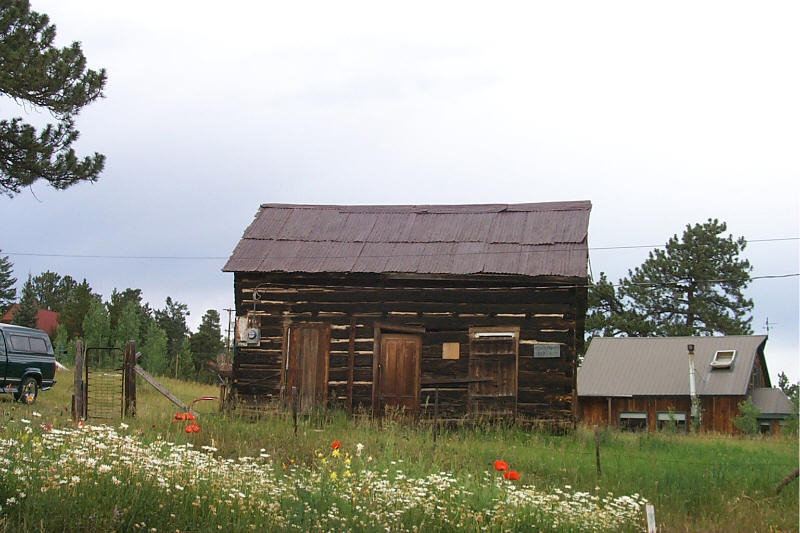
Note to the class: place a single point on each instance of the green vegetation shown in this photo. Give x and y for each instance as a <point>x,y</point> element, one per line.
<point>54,81</point>
<point>693,286</point>
<point>696,483</point>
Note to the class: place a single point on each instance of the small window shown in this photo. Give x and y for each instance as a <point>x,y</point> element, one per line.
<point>20,343</point>
<point>632,421</point>
<point>765,426</point>
<point>38,345</point>
<point>723,358</point>
<point>671,420</point>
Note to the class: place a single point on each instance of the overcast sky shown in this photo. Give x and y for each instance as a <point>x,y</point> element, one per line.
<point>660,114</point>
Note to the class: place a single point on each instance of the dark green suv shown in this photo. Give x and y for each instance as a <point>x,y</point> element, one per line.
<point>27,363</point>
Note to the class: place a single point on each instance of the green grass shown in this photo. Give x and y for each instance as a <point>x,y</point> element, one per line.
<point>696,483</point>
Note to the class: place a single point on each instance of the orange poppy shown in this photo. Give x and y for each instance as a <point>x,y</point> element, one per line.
<point>511,475</point>
<point>335,445</point>
<point>500,466</point>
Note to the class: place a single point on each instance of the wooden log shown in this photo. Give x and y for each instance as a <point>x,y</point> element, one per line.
<point>785,481</point>
<point>129,379</point>
<point>79,390</point>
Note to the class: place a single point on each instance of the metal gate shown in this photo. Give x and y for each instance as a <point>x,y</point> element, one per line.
<point>104,383</point>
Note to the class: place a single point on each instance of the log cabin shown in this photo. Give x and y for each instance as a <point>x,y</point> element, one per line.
<point>469,310</point>
<point>644,383</point>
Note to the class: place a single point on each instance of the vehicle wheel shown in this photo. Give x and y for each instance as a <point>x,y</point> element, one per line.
<point>27,391</point>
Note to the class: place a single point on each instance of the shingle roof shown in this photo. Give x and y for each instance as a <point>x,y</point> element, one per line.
<point>659,366</point>
<point>545,239</point>
<point>772,401</point>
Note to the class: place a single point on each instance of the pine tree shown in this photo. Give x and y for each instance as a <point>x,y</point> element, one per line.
<point>172,319</point>
<point>35,73</point>
<point>79,300</point>
<point>7,281</point>
<point>52,291</point>
<point>207,342</point>
<point>25,313</point>
<point>694,286</point>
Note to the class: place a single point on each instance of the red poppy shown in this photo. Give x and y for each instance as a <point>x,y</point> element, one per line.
<point>188,416</point>
<point>511,475</point>
<point>500,466</point>
<point>195,428</point>
<point>188,429</point>
<point>178,416</point>
<point>335,445</point>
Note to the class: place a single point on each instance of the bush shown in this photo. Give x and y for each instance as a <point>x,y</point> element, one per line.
<point>747,419</point>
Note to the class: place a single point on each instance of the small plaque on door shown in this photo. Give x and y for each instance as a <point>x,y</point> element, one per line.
<point>450,350</point>
<point>547,351</point>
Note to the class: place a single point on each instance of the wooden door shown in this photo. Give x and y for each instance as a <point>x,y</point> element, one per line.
<point>398,371</point>
<point>493,355</point>
<point>307,369</point>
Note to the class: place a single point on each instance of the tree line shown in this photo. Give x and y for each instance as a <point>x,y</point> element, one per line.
<point>162,335</point>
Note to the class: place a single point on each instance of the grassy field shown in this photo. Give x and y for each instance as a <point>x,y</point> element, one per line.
<point>239,473</point>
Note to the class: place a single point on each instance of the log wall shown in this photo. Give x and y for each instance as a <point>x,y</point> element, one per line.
<point>445,307</point>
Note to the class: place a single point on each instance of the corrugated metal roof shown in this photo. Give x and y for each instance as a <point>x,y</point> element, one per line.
<point>772,401</point>
<point>545,239</point>
<point>659,366</point>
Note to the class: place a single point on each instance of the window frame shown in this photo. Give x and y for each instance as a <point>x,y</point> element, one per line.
<point>717,363</point>
<point>680,423</point>
<point>639,415</point>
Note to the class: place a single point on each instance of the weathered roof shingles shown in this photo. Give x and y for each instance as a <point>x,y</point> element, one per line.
<point>545,239</point>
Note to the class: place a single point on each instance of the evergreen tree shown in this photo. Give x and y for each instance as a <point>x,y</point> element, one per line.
<point>207,342</point>
<point>127,326</point>
<point>694,286</point>
<point>172,319</point>
<point>35,73</point>
<point>79,300</point>
<point>119,300</point>
<point>96,326</point>
<point>61,345</point>
<point>184,367</point>
<point>52,290</point>
<point>25,312</point>
<point>7,281</point>
<point>154,349</point>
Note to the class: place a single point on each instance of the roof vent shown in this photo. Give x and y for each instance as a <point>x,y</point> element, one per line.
<point>723,358</point>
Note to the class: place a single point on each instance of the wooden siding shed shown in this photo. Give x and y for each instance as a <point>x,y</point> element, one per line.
<point>378,307</point>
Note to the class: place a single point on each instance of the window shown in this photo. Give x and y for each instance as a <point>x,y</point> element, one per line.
<point>723,358</point>
<point>20,343</point>
<point>671,420</point>
<point>493,341</point>
<point>38,345</point>
<point>629,421</point>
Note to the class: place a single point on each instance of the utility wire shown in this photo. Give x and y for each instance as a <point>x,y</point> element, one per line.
<point>548,248</point>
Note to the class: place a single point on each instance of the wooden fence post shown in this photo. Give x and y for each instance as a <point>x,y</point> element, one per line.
<point>129,379</point>
<point>597,450</point>
<point>294,409</point>
<point>79,404</point>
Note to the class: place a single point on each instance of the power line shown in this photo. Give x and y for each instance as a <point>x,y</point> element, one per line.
<point>370,256</point>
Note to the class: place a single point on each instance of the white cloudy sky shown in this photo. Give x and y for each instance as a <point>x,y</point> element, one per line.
<point>661,114</point>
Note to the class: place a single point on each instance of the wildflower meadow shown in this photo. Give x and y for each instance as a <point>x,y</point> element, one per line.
<point>103,478</point>
<point>168,471</point>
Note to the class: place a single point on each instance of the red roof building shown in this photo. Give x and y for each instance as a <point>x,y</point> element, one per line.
<point>47,320</point>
